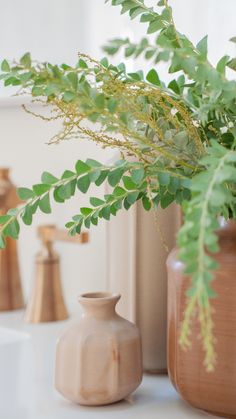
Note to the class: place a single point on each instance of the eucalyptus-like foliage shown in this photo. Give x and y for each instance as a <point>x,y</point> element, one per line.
<point>209,93</point>
<point>131,181</point>
<point>213,193</point>
<point>177,143</point>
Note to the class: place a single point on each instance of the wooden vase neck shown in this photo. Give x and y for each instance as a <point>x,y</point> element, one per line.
<point>100,305</point>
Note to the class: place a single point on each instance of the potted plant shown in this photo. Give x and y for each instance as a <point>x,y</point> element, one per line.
<point>182,136</point>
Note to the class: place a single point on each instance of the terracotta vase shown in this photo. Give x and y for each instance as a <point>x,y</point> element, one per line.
<point>11,297</point>
<point>213,392</point>
<point>98,358</point>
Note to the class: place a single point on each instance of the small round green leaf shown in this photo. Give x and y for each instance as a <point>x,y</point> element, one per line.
<point>25,193</point>
<point>81,167</point>
<point>83,183</point>
<point>40,188</point>
<point>48,178</point>
<point>44,204</point>
<point>153,77</point>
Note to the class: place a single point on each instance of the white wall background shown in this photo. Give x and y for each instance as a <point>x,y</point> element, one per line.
<point>56,30</point>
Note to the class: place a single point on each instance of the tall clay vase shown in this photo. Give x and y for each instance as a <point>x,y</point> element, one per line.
<point>214,392</point>
<point>11,297</point>
<point>98,358</point>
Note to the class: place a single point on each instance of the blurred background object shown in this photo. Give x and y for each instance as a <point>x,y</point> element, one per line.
<point>11,297</point>
<point>46,303</point>
<point>136,268</point>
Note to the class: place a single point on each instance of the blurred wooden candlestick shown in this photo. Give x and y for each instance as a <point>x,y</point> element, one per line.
<point>46,303</point>
<point>11,297</point>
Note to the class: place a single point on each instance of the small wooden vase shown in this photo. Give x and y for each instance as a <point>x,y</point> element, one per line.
<point>213,392</point>
<point>98,359</point>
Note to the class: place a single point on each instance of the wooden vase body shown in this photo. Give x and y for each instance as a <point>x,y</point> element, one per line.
<point>214,392</point>
<point>98,359</point>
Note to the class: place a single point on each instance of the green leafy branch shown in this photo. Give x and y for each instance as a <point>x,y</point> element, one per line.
<point>111,204</point>
<point>151,185</point>
<point>213,196</point>
<point>136,49</point>
<point>208,91</point>
<point>162,21</point>
<point>62,189</point>
<point>156,123</point>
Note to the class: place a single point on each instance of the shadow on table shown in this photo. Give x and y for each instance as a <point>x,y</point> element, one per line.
<point>156,398</point>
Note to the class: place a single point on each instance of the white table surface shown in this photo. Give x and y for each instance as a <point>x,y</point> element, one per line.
<point>27,354</point>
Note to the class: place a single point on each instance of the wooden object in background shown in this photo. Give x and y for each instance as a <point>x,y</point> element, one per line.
<point>11,296</point>
<point>136,268</point>
<point>46,301</point>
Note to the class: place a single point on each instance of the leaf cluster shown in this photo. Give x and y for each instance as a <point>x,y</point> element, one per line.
<point>213,193</point>
<point>209,93</point>
<point>130,181</point>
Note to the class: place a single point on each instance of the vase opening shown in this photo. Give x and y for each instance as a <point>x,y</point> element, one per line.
<point>100,304</point>
<point>99,296</point>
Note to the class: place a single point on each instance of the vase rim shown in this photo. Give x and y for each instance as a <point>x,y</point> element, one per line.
<point>99,296</point>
